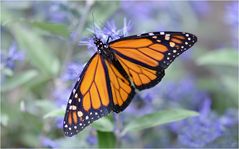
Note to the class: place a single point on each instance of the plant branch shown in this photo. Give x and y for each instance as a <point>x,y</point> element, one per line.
<point>80,26</point>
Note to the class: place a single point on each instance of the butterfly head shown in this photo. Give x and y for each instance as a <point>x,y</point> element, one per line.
<point>99,43</point>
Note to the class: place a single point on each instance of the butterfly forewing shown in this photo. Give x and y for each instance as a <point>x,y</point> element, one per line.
<point>153,50</point>
<point>90,98</point>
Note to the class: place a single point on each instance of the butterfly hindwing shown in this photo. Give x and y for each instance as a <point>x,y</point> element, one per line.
<point>121,88</point>
<point>141,76</point>
<point>90,98</point>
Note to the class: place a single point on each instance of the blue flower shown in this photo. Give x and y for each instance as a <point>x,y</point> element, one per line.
<point>72,71</point>
<point>61,95</point>
<point>62,92</point>
<point>229,139</point>
<point>231,18</point>
<point>91,139</point>
<point>109,31</point>
<point>156,15</point>
<point>177,94</point>
<point>54,11</point>
<point>199,131</point>
<point>58,122</point>
<point>56,14</point>
<point>47,142</point>
<point>10,58</point>
<point>229,122</point>
<point>230,118</point>
<point>142,10</point>
<point>202,8</point>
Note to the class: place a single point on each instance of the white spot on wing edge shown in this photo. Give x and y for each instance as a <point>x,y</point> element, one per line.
<point>172,44</point>
<point>80,114</point>
<point>151,34</point>
<point>70,101</point>
<point>76,95</point>
<point>72,107</point>
<point>167,37</point>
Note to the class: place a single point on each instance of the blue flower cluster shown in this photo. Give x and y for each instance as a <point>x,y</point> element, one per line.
<point>11,56</point>
<point>201,131</point>
<point>9,59</point>
<point>109,31</point>
<point>231,18</point>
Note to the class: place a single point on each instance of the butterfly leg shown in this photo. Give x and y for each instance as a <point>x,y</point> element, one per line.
<point>109,37</point>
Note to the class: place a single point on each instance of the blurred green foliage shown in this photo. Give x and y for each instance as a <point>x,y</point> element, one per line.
<point>28,107</point>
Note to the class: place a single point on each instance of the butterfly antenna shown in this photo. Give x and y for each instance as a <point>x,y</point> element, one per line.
<point>93,23</point>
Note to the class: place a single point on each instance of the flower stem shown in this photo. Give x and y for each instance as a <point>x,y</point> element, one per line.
<point>80,26</point>
<point>118,126</point>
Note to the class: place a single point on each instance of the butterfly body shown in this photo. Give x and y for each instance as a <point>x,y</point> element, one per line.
<point>104,50</point>
<point>110,78</point>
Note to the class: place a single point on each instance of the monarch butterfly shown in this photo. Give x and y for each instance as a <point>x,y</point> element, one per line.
<point>110,78</point>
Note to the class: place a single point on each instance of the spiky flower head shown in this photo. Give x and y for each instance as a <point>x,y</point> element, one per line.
<point>108,32</point>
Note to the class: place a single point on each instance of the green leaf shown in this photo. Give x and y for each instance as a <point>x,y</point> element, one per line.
<point>106,139</point>
<point>4,119</point>
<point>58,29</point>
<point>5,18</point>
<point>6,71</point>
<point>231,85</point>
<point>225,57</point>
<point>55,113</point>
<point>41,105</point>
<point>103,124</point>
<point>18,80</point>
<point>36,49</point>
<point>157,118</point>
